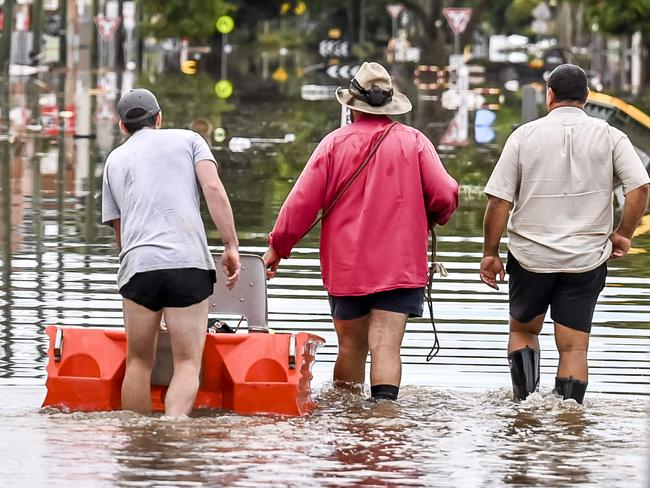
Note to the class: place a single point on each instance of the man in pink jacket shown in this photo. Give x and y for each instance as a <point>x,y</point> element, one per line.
<point>373,246</point>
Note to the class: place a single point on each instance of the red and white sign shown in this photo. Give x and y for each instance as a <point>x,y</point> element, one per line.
<point>458,18</point>
<point>105,110</point>
<point>22,20</point>
<point>107,25</point>
<point>394,9</point>
<point>50,119</point>
<point>456,133</point>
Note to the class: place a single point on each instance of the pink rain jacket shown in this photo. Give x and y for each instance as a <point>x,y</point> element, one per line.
<point>376,236</point>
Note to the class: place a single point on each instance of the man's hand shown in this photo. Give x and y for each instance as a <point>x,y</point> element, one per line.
<point>491,266</point>
<point>230,265</point>
<point>271,262</point>
<point>620,245</point>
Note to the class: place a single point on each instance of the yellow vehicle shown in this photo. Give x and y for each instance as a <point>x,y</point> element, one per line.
<point>634,122</point>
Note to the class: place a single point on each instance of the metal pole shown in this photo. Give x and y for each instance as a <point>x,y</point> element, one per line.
<point>94,53</point>
<point>37,28</point>
<point>362,21</point>
<point>5,49</point>
<point>5,208</point>
<point>63,34</point>
<point>119,39</point>
<point>456,43</point>
<point>224,56</point>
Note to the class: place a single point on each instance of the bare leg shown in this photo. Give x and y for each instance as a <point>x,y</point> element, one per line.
<point>141,326</point>
<point>572,345</point>
<point>385,335</point>
<point>350,366</point>
<point>187,330</point>
<point>524,334</point>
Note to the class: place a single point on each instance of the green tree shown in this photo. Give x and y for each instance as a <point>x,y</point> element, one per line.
<point>193,19</point>
<point>623,17</point>
<point>620,16</point>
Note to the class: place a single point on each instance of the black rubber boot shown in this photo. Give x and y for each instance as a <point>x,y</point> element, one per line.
<point>524,371</point>
<point>570,388</point>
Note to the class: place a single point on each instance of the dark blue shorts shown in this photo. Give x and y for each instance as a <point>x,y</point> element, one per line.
<point>409,301</point>
<point>161,288</point>
<point>571,296</point>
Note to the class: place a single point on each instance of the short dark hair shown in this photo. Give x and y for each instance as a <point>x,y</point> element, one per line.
<point>569,83</point>
<point>132,127</point>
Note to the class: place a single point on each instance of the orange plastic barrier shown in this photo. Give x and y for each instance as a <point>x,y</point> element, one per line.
<point>245,373</point>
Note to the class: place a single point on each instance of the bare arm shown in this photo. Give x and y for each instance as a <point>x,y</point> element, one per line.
<point>221,214</point>
<point>118,236</point>
<point>494,223</point>
<point>636,202</point>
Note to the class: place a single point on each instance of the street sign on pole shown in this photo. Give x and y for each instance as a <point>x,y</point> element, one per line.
<point>394,9</point>
<point>107,25</point>
<point>225,24</point>
<point>458,18</point>
<point>128,12</point>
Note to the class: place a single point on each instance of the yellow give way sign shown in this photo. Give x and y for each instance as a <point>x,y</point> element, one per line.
<point>225,24</point>
<point>189,67</point>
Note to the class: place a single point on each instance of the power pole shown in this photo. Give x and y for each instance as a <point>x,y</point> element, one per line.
<point>5,48</point>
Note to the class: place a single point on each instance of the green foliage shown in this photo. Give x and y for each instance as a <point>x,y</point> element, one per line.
<point>184,98</point>
<point>193,19</point>
<point>519,13</point>
<point>620,16</point>
<point>273,40</point>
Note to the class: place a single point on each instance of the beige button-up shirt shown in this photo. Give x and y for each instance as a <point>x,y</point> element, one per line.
<point>559,172</point>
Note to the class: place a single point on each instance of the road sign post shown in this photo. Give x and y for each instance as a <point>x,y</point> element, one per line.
<point>225,24</point>
<point>458,18</point>
<point>394,10</point>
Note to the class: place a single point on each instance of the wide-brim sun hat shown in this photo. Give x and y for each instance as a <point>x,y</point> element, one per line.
<point>371,91</point>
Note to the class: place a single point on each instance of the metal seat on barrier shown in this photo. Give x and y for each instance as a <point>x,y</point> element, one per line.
<point>248,297</point>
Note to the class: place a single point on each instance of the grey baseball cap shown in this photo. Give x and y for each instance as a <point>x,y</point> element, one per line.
<point>137,98</point>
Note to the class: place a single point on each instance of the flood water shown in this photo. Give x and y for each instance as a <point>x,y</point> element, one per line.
<point>454,424</point>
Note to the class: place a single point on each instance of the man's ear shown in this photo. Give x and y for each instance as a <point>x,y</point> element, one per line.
<point>122,127</point>
<point>550,96</point>
<point>159,120</point>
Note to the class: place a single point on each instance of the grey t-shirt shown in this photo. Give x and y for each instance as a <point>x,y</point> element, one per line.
<point>150,184</point>
<point>559,172</point>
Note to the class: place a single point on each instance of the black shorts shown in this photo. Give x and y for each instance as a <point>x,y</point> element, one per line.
<point>408,301</point>
<point>572,296</point>
<point>161,288</point>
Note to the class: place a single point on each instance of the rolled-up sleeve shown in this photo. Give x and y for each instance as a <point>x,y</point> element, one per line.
<point>439,188</point>
<point>110,208</point>
<point>504,181</point>
<point>628,166</point>
<point>301,207</point>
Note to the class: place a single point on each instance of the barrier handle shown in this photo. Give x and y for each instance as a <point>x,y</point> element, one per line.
<point>58,345</point>
<point>292,351</point>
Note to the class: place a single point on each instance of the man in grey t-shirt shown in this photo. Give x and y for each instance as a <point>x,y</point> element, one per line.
<point>557,174</point>
<point>151,198</point>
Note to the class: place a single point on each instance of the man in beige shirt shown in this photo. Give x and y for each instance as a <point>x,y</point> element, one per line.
<point>557,175</point>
